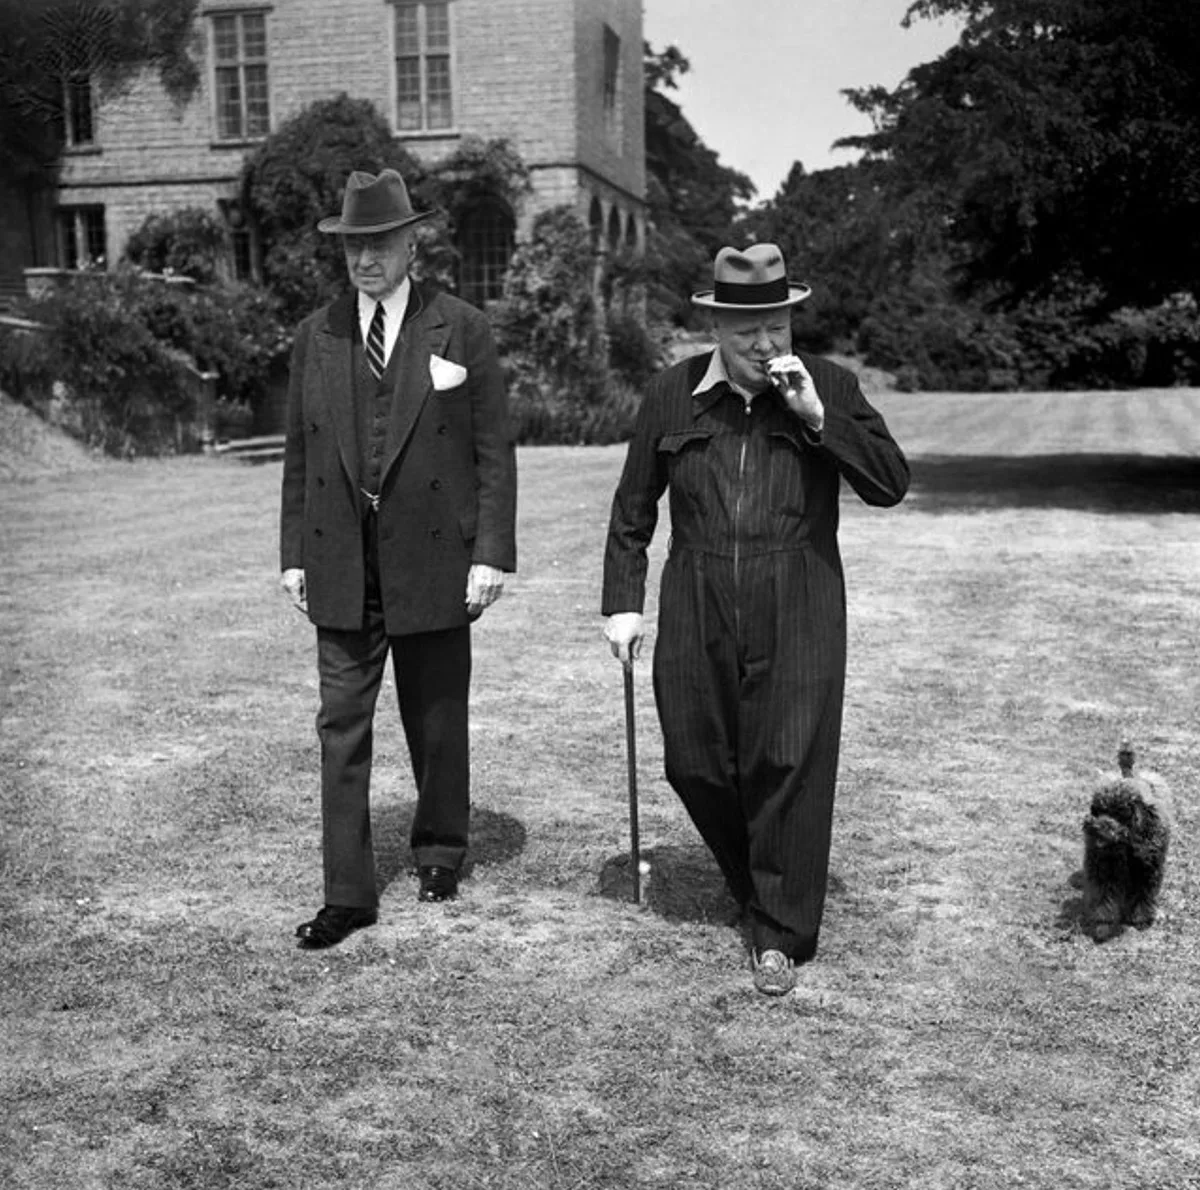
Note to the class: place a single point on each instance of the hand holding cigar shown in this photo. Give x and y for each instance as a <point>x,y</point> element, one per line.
<point>788,374</point>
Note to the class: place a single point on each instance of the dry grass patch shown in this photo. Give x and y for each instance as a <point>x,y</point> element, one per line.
<point>158,766</point>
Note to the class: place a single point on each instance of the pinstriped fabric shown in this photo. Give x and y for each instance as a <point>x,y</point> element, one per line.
<point>749,665</point>
<point>376,356</point>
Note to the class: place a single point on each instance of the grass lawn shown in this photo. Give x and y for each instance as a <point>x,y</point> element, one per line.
<point>1033,600</point>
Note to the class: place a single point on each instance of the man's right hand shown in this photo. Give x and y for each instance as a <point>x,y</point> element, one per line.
<point>625,632</point>
<point>292,582</point>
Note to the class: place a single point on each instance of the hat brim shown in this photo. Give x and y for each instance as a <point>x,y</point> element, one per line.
<point>796,294</point>
<point>334,225</point>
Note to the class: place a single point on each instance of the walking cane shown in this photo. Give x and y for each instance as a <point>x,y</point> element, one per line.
<point>631,754</point>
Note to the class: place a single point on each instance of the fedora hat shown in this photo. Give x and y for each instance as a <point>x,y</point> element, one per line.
<point>752,280</point>
<point>372,204</point>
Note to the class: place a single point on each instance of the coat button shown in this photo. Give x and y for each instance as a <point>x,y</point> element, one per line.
<point>435,484</point>
<point>436,534</point>
<point>320,482</point>
<point>312,425</point>
<point>441,429</point>
<point>318,533</point>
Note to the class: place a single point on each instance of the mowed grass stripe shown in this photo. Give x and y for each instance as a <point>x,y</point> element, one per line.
<point>1162,422</point>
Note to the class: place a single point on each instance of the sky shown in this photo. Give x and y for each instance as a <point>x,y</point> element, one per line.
<point>764,89</point>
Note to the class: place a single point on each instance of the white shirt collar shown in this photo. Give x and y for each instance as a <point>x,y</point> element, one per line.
<point>716,374</point>
<point>394,306</point>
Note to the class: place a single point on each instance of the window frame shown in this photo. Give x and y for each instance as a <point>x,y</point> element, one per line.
<point>78,83</point>
<point>240,64</point>
<point>610,83</point>
<point>78,227</point>
<point>424,55</point>
<point>495,236</point>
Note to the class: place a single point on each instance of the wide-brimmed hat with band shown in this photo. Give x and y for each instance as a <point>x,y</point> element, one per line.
<point>752,280</point>
<point>372,204</point>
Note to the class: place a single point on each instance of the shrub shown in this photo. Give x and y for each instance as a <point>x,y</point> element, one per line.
<point>233,330</point>
<point>120,381</point>
<point>1069,341</point>
<point>119,344</point>
<point>236,331</point>
<point>26,367</point>
<point>297,176</point>
<point>188,242</point>
<point>539,416</point>
<point>549,320</point>
<point>550,330</point>
<point>633,353</point>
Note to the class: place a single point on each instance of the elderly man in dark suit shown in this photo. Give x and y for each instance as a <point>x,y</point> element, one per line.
<point>397,527</point>
<point>749,668</point>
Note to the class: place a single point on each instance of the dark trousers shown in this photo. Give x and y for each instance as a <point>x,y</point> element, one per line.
<point>749,680</point>
<point>432,671</point>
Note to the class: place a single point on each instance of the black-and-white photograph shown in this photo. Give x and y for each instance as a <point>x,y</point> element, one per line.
<point>599,594</point>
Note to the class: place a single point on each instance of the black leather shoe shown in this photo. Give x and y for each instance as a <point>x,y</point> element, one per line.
<point>437,883</point>
<point>332,924</point>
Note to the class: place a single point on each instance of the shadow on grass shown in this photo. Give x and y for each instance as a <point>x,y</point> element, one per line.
<point>684,884</point>
<point>495,838</point>
<point>1101,483</point>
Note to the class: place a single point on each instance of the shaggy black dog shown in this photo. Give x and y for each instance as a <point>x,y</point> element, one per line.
<point>1125,840</point>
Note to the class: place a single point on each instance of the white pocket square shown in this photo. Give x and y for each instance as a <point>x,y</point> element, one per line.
<point>445,373</point>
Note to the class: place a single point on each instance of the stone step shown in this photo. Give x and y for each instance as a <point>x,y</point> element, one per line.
<point>265,448</point>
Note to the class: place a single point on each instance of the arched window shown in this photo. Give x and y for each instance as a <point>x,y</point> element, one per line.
<point>614,230</point>
<point>486,231</point>
<point>596,224</point>
<point>631,235</point>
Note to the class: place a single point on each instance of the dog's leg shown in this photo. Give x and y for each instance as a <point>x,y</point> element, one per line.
<point>1104,880</point>
<point>1147,864</point>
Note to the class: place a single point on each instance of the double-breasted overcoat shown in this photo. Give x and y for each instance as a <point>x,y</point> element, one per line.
<point>447,496</point>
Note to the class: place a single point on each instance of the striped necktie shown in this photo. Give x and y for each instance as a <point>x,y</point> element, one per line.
<point>375,352</point>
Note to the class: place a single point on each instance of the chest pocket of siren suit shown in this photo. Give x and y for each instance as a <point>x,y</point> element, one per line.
<point>685,454</point>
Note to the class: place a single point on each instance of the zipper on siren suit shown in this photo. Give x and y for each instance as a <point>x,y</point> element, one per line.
<point>737,525</point>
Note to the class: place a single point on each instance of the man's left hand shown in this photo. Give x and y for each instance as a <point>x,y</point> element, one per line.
<point>792,378</point>
<point>485,584</point>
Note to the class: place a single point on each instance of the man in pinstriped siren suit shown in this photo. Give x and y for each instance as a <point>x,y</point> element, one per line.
<point>749,666</point>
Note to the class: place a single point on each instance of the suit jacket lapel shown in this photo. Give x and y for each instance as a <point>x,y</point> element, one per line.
<point>424,332</point>
<point>335,353</point>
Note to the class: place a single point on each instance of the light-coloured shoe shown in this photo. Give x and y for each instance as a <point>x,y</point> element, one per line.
<point>774,973</point>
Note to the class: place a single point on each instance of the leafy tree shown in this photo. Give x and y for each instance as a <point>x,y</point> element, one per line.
<point>841,231</point>
<point>1060,141</point>
<point>297,176</point>
<point>44,44</point>
<point>693,199</point>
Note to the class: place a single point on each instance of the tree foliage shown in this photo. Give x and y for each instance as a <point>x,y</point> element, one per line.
<point>840,230</point>
<point>297,176</point>
<point>693,199</point>
<point>550,323</point>
<point>1060,140</point>
<point>1027,212</point>
<point>46,43</point>
<point>564,383</point>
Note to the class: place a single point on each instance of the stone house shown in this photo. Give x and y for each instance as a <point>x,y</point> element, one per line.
<point>560,79</point>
